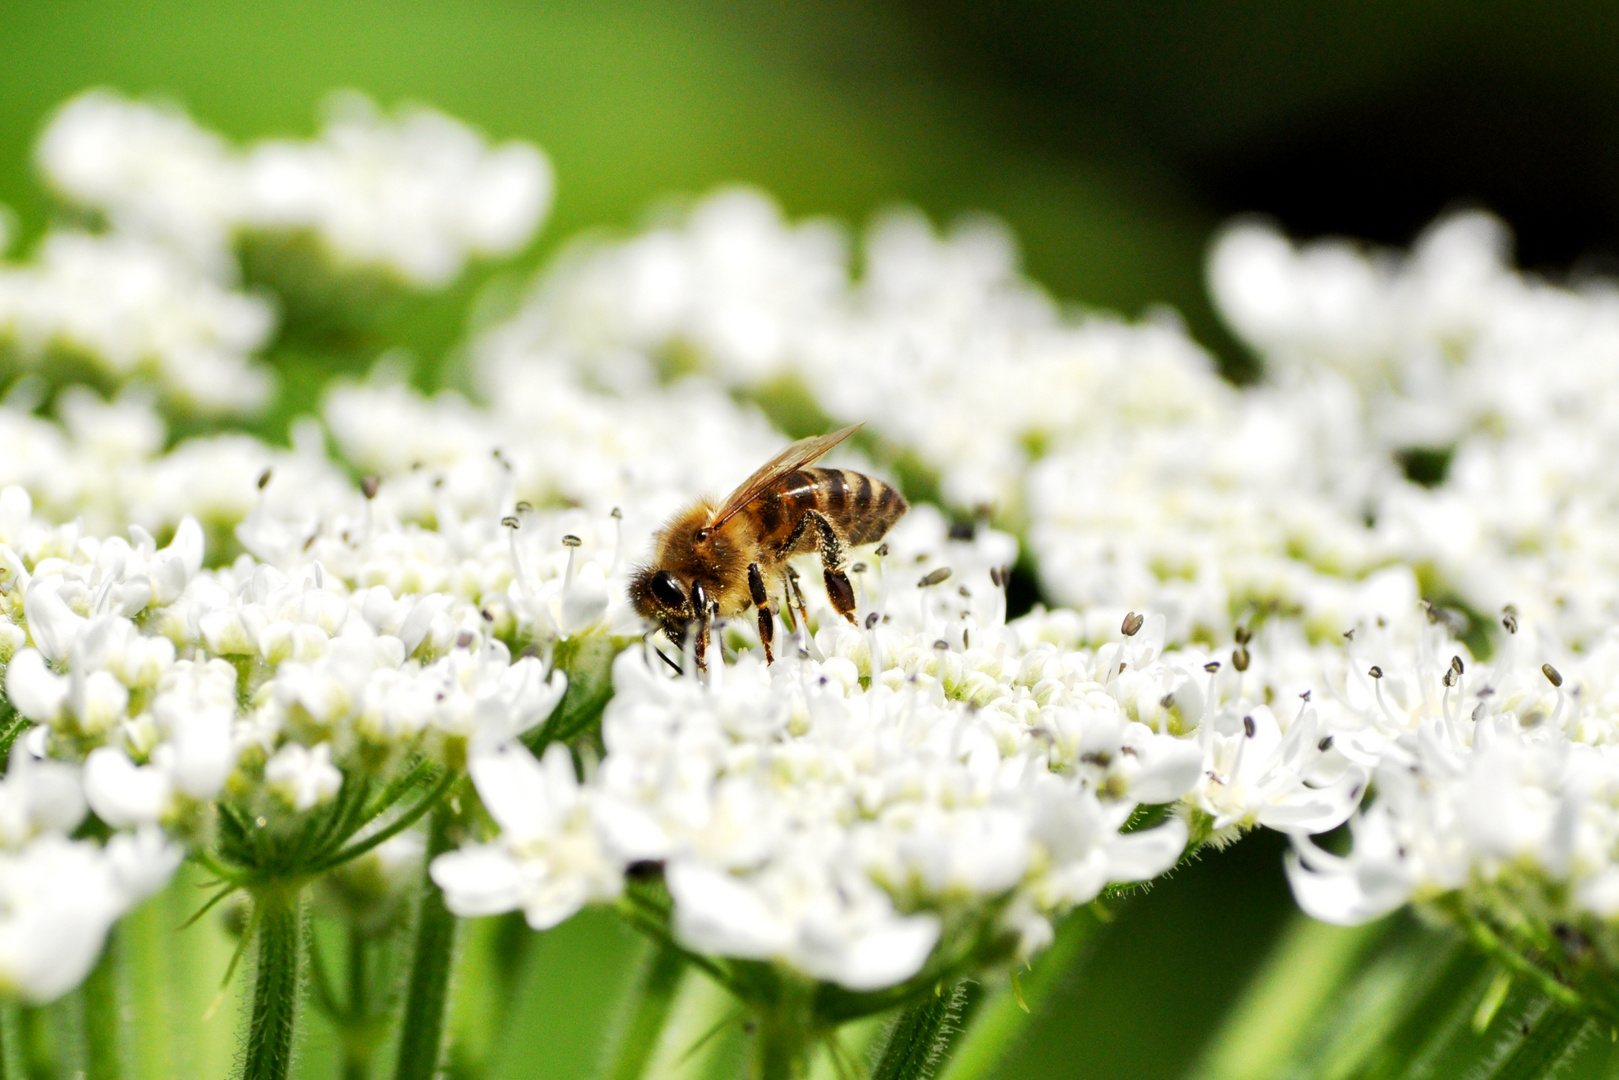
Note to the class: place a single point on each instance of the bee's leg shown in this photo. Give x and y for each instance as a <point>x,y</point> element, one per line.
<point>795,602</point>
<point>699,598</point>
<point>761,601</point>
<point>838,589</point>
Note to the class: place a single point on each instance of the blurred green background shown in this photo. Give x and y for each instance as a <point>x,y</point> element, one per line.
<point>1112,136</point>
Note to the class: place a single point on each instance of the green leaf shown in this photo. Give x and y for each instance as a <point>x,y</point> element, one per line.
<point>920,1038</point>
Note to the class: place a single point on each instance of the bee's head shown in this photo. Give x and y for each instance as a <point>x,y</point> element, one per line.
<point>663,598</point>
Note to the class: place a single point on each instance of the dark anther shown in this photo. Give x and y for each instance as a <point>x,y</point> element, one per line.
<point>524,507</point>
<point>644,869</point>
<point>858,568</point>
<point>1248,728</point>
<point>464,639</point>
<point>882,549</point>
<point>933,577</point>
<point>488,616</point>
<point>871,620</point>
<point>1132,624</point>
<point>369,486</point>
<point>1552,675</point>
<point>962,530</point>
<point>1167,701</point>
<point>942,645</point>
<point>966,641</point>
<point>571,540</point>
<point>264,478</point>
<point>617,513</point>
<point>1239,659</point>
<point>1305,696</point>
<point>995,576</point>
<point>510,521</point>
<point>1325,744</point>
<point>1375,672</point>
<point>1242,635</point>
<point>1212,666</point>
<point>1456,665</point>
<point>1349,635</point>
<point>1449,679</point>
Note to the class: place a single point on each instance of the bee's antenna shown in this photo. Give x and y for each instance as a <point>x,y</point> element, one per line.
<point>665,658</point>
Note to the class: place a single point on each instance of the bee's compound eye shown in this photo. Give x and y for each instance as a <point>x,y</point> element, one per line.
<point>666,590</point>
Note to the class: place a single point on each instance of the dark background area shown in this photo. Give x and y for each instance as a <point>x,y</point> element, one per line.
<point>1114,137</point>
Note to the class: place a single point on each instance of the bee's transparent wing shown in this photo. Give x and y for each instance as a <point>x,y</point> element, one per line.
<point>796,456</point>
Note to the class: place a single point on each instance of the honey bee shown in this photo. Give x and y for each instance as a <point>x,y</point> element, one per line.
<point>720,560</point>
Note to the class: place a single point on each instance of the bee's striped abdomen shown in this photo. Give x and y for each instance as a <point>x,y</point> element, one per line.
<point>860,508</point>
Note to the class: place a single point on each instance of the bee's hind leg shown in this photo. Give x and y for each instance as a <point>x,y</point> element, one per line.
<point>838,589</point>
<point>761,601</point>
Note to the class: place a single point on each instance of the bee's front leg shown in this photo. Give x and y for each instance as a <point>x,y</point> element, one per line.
<point>699,600</point>
<point>761,601</point>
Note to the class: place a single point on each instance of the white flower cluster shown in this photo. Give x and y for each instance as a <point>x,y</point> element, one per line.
<point>156,296</point>
<point>853,809</point>
<point>1451,350</point>
<point>1498,778</point>
<point>125,307</point>
<point>159,690</point>
<point>1143,479</point>
<point>418,193</point>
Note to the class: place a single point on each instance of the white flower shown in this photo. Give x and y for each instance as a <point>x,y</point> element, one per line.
<point>304,776</point>
<point>549,861</point>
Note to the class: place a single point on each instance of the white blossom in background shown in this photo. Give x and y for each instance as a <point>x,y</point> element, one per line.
<point>151,169</point>
<point>1451,349</point>
<point>131,307</point>
<point>418,193</point>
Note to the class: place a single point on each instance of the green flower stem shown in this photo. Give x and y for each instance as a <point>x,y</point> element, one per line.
<point>41,1053</point>
<point>422,1032</point>
<point>6,1072</point>
<point>653,999</point>
<point>781,1047</point>
<point>1007,1011</point>
<point>278,922</point>
<point>357,1041</point>
<point>920,1038</point>
<point>103,1026</point>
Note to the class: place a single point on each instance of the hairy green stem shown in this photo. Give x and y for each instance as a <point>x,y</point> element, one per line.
<point>920,1038</point>
<point>40,1056</point>
<point>278,921</point>
<point>421,1034</point>
<point>654,998</point>
<point>103,1051</point>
